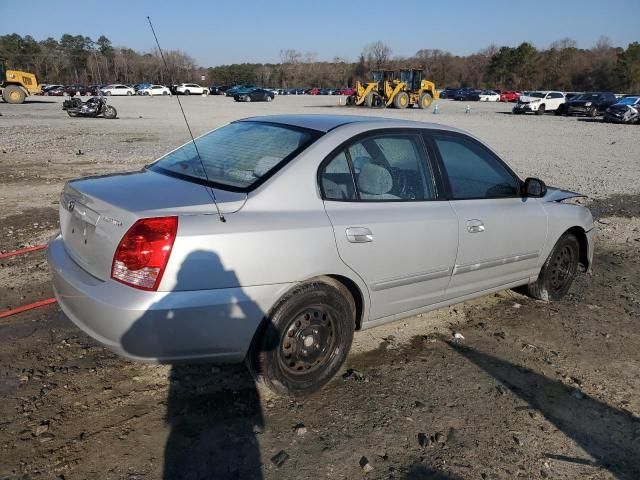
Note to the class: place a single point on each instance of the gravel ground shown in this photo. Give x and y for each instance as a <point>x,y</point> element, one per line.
<point>533,390</point>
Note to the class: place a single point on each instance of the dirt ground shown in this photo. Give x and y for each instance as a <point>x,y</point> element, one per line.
<point>533,390</point>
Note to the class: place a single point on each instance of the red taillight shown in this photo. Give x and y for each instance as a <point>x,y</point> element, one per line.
<point>143,252</point>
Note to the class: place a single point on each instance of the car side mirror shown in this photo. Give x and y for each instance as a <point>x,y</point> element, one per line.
<point>534,187</point>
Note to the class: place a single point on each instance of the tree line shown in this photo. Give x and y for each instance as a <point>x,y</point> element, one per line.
<point>561,66</point>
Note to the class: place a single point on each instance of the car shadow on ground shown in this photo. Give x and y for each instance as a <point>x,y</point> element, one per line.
<point>214,412</point>
<point>609,435</point>
<point>591,120</point>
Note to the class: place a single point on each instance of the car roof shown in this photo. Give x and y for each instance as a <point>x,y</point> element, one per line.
<point>326,123</point>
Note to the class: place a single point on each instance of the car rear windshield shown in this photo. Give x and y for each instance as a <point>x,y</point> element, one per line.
<point>238,155</point>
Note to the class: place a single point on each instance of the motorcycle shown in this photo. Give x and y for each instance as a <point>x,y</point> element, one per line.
<point>93,107</point>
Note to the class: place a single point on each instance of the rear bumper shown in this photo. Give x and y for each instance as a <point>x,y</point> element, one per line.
<point>216,325</point>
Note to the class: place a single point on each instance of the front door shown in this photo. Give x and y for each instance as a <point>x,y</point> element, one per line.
<point>500,233</point>
<point>390,224</point>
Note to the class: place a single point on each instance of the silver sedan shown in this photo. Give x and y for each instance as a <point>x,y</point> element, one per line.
<point>272,239</point>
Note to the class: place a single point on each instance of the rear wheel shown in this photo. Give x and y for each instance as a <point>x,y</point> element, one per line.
<point>187,92</point>
<point>129,94</point>
<point>401,100</point>
<point>269,98</point>
<point>13,94</point>
<point>558,272</point>
<point>425,100</point>
<point>306,339</point>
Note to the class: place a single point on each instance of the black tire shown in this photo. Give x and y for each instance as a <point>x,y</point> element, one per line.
<point>248,98</point>
<point>401,100</point>
<point>368,100</point>
<point>425,100</point>
<point>187,92</point>
<point>72,114</point>
<point>110,112</point>
<point>129,94</point>
<point>558,272</point>
<point>108,94</point>
<point>593,112</point>
<point>559,111</point>
<point>269,98</point>
<point>307,338</point>
<point>541,110</point>
<point>13,94</point>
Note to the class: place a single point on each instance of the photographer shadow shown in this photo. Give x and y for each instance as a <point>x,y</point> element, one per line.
<point>213,411</point>
<point>609,435</point>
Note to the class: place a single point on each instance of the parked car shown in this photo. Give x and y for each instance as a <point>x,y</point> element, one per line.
<point>590,104</point>
<point>314,91</point>
<point>539,102</point>
<point>54,90</point>
<point>191,89</point>
<point>467,94</point>
<point>118,89</point>
<point>626,110</point>
<point>73,90</point>
<point>509,96</point>
<point>238,88</point>
<point>218,89</point>
<point>448,92</point>
<point>155,90</point>
<point>139,87</point>
<point>346,91</point>
<point>254,95</point>
<point>156,277</point>
<point>489,96</point>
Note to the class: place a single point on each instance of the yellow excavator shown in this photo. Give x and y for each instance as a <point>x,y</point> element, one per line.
<point>397,88</point>
<point>15,85</point>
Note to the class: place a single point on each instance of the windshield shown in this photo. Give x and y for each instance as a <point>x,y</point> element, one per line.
<point>536,94</point>
<point>236,155</point>
<point>588,96</point>
<point>629,101</point>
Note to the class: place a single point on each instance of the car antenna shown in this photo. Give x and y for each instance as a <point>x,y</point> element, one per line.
<point>193,140</point>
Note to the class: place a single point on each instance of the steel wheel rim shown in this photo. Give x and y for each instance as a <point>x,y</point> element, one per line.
<point>308,341</point>
<point>563,267</point>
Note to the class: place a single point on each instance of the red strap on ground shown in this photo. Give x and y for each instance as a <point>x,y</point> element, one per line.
<point>20,252</point>
<point>24,308</point>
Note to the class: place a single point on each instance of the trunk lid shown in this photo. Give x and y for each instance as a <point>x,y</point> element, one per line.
<point>96,212</point>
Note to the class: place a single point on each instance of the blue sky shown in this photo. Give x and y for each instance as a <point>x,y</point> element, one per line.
<point>220,32</point>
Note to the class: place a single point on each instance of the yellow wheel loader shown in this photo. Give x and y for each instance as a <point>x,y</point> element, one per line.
<point>400,89</point>
<point>410,89</point>
<point>15,85</point>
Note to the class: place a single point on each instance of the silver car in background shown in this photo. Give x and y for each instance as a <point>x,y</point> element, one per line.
<point>273,239</point>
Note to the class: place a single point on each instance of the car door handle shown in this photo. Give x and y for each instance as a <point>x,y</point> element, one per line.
<point>359,235</point>
<point>475,226</point>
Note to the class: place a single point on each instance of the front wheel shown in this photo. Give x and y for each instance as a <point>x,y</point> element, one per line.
<point>269,98</point>
<point>541,110</point>
<point>558,272</point>
<point>425,100</point>
<point>110,112</point>
<point>187,92</point>
<point>307,338</point>
<point>593,112</point>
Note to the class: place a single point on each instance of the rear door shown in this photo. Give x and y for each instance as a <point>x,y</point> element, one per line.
<point>500,233</point>
<point>391,224</point>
